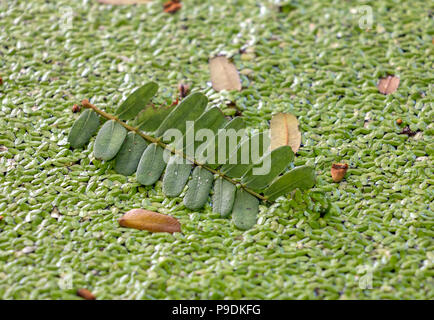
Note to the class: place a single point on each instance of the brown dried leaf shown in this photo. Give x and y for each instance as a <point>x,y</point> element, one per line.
<point>172,6</point>
<point>388,85</point>
<point>85,294</point>
<point>121,2</point>
<point>285,132</point>
<point>224,74</point>
<point>338,171</point>
<point>149,220</point>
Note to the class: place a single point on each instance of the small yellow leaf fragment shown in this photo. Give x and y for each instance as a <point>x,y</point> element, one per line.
<point>149,220</point>
<point>224,74</point>
<point>285,132</point>
<point>388,84</point>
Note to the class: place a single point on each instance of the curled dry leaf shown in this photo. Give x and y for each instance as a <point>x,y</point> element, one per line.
<point>172,6</point>
<point>224,74</point>
<point>76,108</point>
<point>285,132</point>
<point>406,130</point>
<point>338,171</point>
<point>85,294</point>
<point>149,220</point>
<point>120,2</point>
<point>183,90</point>
<point>388,84</point>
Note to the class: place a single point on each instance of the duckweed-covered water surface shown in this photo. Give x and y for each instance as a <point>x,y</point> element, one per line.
<point>60,206</point>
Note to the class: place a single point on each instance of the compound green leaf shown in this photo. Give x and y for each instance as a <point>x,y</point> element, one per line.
<point>83,129</point>
<point>272,164</point>
<point>199,188</point>
<point>109,140</point>
<point>223,197</point>
<point>189,109</point>
<point>151,165</point>
<point>133,153</point>
<point>130,153</point>
<point>301,177</point>
<point>176,175</point>
<point>136,101</point>
<point>245,211</point>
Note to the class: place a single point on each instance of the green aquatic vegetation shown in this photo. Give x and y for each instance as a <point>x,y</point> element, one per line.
<point>315,62</point>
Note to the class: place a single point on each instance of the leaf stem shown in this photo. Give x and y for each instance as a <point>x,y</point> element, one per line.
<point>85,103</point>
